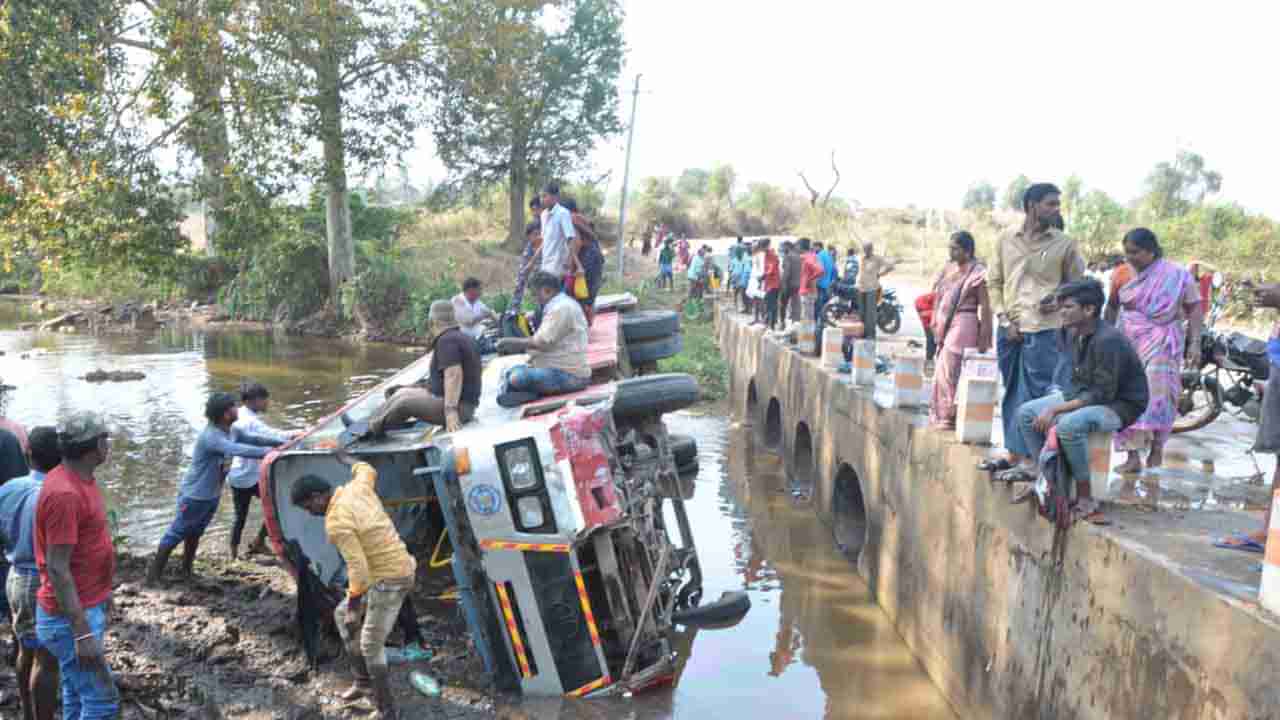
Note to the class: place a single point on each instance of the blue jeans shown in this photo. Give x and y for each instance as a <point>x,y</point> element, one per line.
<point>542,381</point>
<point>192,519</point>
<point>1028,369</point>
<point>86,694</point>
<point>1073,431</point>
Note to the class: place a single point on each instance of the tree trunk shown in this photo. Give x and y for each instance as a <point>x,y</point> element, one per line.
<point>517,181</point>
<point>210,139</point>
<point>342,254</point>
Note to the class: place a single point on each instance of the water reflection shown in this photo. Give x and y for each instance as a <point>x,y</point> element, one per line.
<point>156,420</point>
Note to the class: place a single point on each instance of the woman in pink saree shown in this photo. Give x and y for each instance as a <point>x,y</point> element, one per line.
<point>1161,315</point>
<point>961,320</point>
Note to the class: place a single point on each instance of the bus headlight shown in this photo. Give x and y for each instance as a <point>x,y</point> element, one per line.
<point>530,510</point>
<point>520,471</point>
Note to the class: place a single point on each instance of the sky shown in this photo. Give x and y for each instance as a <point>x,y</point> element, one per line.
<point>921,99</point>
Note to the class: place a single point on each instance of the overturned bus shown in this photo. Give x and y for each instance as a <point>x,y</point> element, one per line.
<point>557,511</point>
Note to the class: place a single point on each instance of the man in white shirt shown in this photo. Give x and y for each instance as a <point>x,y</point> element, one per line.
<point>557,352</point>
<point>468,311</point>
<point>243,475</point>
<point>558,237</point>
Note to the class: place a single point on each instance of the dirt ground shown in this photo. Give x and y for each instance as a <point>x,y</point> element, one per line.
<point>226,646</point>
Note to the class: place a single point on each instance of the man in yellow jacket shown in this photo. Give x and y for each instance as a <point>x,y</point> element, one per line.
<point>380,572</point>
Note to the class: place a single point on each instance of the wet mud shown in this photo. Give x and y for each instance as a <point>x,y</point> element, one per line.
<point>225,645</point>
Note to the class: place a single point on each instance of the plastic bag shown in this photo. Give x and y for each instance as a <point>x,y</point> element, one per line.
<point>580,290</point>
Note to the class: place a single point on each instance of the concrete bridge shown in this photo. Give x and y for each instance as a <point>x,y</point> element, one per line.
<point>1010,618</point>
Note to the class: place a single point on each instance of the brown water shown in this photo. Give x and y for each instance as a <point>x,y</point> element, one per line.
<point>155,421</point>
<point>814,645</point>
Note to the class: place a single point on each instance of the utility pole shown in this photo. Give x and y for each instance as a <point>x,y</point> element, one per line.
<point>626,173</point>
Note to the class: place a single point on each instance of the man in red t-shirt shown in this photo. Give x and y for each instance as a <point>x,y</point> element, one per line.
<point>77,564</point>
<point>810,270</point>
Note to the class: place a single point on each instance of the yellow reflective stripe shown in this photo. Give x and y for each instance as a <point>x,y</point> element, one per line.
<point>516,641</point>
<point>586,608</point>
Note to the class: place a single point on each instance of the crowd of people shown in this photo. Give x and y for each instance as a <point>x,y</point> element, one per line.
<point>1075,357</point>
<point>59,557</point>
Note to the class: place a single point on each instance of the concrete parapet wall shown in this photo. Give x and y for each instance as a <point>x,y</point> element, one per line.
<point>1009,617</point>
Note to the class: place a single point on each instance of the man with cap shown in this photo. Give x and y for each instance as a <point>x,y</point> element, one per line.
<point>77,562</point>
<point>450,393</point>
<point>201,488</point>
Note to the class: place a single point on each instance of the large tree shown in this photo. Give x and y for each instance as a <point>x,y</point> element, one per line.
<point>1174,188</point>
<point>523,89</point>
<point>185,45</point>
<point>77,181</point>
<point>1014,190</point>
<point>344,75</point>
<point>980,196</point>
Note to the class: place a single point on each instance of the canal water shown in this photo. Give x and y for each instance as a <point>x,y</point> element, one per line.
<point>815,644</point>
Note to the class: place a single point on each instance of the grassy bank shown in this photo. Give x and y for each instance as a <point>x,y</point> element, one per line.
<point>701,356</point>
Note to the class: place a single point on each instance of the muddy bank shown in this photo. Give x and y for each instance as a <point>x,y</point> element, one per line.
<point>226,645</point>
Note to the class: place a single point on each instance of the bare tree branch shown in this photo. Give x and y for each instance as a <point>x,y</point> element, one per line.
<point>827,199</point>
<point>813,194</point>
<point>139,44</point>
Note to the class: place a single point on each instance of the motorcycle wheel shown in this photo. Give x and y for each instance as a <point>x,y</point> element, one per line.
<point>888,319</point>
<point>1205,400</point>
<point>833,313</point>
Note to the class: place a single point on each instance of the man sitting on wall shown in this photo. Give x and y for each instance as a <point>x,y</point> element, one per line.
<point>1107,393</point>
<point>557,351</point>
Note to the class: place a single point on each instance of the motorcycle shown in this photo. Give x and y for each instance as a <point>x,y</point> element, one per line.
<point>844,303</point>
<point>1233,368</point>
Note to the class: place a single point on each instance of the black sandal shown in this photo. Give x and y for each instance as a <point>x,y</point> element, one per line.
<point>996,465</point>
<point>1013,475</point>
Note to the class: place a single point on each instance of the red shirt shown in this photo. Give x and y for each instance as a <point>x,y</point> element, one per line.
<point>71,511</point>
<point>810,271</point>
<point>1206,292</point>
<point>924,307</point>
<point>772,276</point>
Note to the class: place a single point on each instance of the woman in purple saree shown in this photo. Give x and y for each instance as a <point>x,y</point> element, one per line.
<point>1160,313</point>
<point>961,320</point>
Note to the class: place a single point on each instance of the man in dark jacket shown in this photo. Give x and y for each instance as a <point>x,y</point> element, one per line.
<point>791,263</point>
<point>1107,391</point>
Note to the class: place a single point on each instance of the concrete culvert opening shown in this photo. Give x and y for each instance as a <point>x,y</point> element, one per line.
<point>773,425</point>
<point>802,462</point>
<point>848,512</point>
<point>753,401</point>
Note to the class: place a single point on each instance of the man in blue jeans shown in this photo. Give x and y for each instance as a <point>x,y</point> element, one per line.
<point>557,351</point>
<point>77,563</point>
<point>1107,391</point>
<point>1029,265</point>
<point>201,488</point>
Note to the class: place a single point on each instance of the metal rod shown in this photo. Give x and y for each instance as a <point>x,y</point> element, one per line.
<point>659,573</point>
<point>626,174</point>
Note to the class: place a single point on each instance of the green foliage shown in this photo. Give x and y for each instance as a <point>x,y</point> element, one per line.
<point>72,212</point>
<point>980,196</point>
<point>1013,192</point>
<point>1172,189</point>
<point>1097,222</point>
<point>701,358</point>
<point>523,89</point>
<point>55,63</point>
<point>284,278</point>
<point>693,182</point>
